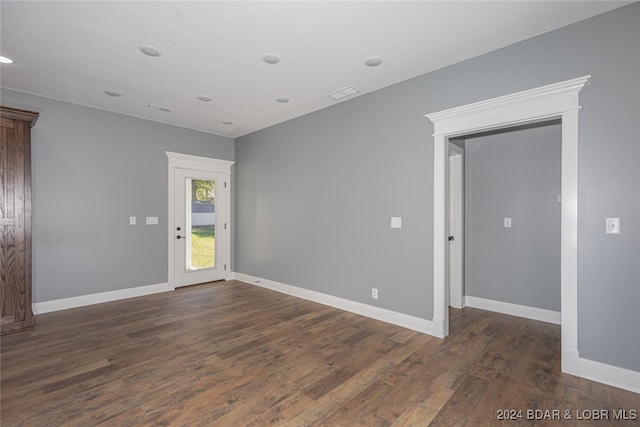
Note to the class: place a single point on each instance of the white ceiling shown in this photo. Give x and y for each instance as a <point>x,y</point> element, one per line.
<point>73,51</point>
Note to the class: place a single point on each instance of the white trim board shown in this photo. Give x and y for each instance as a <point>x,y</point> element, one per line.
<point>610,375</point>
<point>559,100</point>
<point>378,313</point>
<point>82,300</point>
<point>527,312</point>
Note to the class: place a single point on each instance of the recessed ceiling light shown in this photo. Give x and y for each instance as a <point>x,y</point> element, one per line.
<point>282,100</point>
<point>373,61</point>
<point>227,122</point>
<point>6,60</point>
<point>159,108</point>
<point>114,93</point>
<point>204,98</point>
<point>150,50</point>
<point>271,58</point>
<point>342,93</point>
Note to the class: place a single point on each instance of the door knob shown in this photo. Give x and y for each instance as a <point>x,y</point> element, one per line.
<point>179,237</point>
<point>451,238</point>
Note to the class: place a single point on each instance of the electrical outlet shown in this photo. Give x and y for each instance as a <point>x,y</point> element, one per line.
<point>374,293</point>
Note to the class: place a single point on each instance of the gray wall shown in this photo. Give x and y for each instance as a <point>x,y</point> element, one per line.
<point>314,195</point>
<point>314,201</point>
<point>514,174</point>
<point>92,170</point>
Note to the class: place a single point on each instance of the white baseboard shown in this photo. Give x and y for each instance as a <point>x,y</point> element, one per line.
<point>400,319</point>
<point>527,312</point>
<point>82,300</point>
<point>610,375</point>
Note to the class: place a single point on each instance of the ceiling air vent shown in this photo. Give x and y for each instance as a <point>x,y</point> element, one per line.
<point>343,93</point>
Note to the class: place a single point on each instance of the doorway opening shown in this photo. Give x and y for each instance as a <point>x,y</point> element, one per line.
<point>504,200</point>
<point>555,101</point>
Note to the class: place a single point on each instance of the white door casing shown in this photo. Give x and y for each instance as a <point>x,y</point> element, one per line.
<point>181,168</point>
<point>559,100</point>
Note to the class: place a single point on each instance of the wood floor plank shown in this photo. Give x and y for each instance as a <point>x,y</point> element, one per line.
<point>462,403</point>
<point>231,354</point>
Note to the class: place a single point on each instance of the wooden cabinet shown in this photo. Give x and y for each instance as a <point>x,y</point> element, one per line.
<point>15,219</point>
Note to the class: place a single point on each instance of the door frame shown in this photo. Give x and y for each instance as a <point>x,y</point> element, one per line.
<point>223,237</point>
<point>456,225</point>
<point>559,100</point>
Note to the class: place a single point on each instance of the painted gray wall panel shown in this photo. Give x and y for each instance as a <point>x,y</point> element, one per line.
<point>92,170</point>
<point>328,227</point>
<point>514,174</point>
<point>326,165</point>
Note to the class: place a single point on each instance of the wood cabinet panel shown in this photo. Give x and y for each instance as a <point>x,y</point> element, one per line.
<point>15,219</point>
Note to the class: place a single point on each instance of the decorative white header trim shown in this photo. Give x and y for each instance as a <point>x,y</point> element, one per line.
<point>378,313</point>
<point>188,161</point>
<point>539,103</point>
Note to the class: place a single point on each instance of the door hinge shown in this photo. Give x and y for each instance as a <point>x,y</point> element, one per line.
<point>225,225</point>
<point>225,267</point>
<point>225,184</point>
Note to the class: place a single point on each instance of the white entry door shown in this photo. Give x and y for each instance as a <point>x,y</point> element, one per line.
<point>199,230</point>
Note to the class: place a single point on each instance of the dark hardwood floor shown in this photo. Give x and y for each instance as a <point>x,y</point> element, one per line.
<point>231,354</point>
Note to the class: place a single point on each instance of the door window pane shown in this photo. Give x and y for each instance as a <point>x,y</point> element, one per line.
<point>201,204</point>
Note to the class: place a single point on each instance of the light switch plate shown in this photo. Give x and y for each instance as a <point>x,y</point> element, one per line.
<point>396,222</point>
<point>507,222</point>
<point>132,220</point>
<point>152,220</point>
<point>613,225</point>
